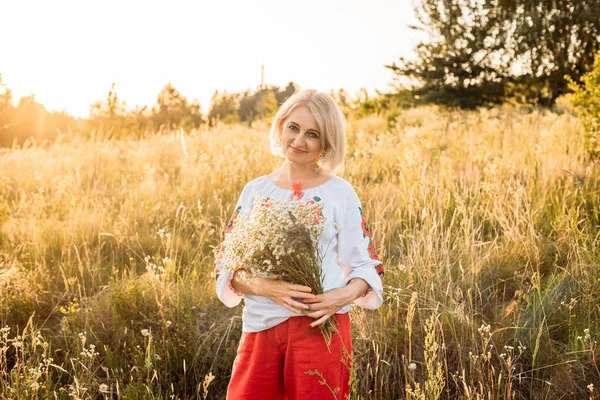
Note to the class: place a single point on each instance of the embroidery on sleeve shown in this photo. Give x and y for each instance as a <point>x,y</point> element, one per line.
<point>380,269</point>
<point>233,218</point>
<point>367,234</point>
<point>319,210</point>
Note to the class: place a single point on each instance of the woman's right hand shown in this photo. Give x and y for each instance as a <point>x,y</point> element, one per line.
<point>281,292</point>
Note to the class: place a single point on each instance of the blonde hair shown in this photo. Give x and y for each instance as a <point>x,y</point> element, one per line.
<point>330,120</point>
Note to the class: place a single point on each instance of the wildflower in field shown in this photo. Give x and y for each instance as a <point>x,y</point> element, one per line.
<point>145,332</point>
<point>103,388</point>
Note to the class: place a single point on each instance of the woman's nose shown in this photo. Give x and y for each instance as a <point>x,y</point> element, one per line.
<point>299,139</point>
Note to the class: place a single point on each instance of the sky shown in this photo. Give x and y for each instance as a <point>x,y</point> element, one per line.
<point>69,53</point>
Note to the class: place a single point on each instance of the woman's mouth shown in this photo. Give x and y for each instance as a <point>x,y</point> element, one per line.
<point>297,151</point>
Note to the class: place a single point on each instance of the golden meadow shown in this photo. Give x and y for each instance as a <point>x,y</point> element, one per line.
<point>487,222</point>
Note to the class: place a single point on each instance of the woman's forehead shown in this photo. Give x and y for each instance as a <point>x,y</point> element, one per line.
<point>304,117</point>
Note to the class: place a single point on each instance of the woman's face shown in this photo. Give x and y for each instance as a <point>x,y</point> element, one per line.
<point>300,137</point>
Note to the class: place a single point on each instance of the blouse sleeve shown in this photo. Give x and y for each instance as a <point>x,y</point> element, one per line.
<point>225,291</point>
<point>356,254</point>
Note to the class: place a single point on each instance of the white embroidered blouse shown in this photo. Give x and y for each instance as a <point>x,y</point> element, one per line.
<point>350,252</point>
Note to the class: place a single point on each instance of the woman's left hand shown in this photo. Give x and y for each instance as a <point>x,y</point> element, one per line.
<point>323,306</point>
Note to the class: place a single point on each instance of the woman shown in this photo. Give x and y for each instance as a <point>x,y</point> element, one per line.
<point>276,359</point>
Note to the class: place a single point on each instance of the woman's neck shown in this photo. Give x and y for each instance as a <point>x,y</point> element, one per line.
<point>299,173</point>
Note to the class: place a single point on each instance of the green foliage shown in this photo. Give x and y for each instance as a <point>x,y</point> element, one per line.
<point>586,100</point>
<point>485,52</point>
<point>248,106</point>
<point>549,41</point>
<point>223,107</point>
<point>173,110</point>
<point>111,118</point>
<point>455,68</point>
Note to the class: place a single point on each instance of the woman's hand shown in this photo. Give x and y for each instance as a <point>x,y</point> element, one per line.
<point>281,292</point>
<point>325,305</point>
<point>287,294</point>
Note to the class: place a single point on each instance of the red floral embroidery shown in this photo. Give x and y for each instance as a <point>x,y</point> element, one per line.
<point>371,247</point>
<point>319,211</point>
<point>380,269</point>
<point>267,202</point>
<point>298,193</point>
<point>371,250</point>
<point>233,218</point>
<point>364,226</point>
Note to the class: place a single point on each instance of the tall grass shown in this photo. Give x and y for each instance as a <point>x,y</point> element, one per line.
<point>487,222</point>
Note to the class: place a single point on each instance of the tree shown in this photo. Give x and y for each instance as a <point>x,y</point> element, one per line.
<point>173,110</point>
<point>264,101</point>
<point>586,100</point>
<point>6,100</point>
<point>171,107</point>
<point>552,40</point>
<point>283,95</point>
<point>481,52</point>
<point>108,115</point>
<point>267,104</point>
<point>247,106</point>
<point>223,107</point>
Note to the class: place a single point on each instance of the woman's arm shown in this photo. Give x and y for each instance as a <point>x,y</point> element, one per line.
<point>281,292</point>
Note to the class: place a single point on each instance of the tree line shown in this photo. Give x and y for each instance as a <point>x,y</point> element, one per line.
<point>478,53</point>
<point>111,118</point>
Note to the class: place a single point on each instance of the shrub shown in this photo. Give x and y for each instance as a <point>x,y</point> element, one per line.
<point>586,100</point>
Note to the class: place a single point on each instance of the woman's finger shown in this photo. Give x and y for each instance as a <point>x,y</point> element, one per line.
<point>315,314</point>
<point>292,309</point>
<point>300,288</point>
<point>316,306</point>
<point>315,299</point>
<point>302,295</point>
<point>297,305</point>
<point>320,320</point>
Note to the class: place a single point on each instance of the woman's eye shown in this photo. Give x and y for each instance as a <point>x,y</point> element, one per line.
<point>314,136</point>
<point>293,127</point>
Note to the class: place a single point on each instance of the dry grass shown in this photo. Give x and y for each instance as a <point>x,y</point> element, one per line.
<point>487,222</point>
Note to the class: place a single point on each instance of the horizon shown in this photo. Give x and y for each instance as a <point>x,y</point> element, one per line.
<point>69,54</point>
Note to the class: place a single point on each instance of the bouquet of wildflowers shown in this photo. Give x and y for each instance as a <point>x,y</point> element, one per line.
<point>280,239</point>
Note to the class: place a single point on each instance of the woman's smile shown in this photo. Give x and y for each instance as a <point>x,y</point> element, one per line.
<point>297,151</point>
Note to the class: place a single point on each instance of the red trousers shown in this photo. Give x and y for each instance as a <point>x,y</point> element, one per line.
<point>284,363</point>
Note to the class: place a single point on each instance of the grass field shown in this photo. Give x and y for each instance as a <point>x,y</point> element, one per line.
<point>488,223</point>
